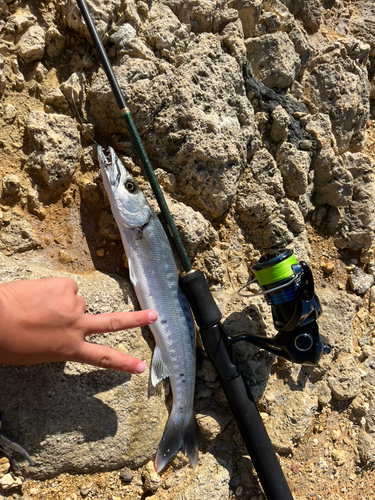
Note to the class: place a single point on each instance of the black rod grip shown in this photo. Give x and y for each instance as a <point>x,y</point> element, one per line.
<point>203,305</point>
<point>246,414</point>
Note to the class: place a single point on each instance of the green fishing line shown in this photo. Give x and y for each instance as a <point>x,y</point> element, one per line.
<point>278,272</point>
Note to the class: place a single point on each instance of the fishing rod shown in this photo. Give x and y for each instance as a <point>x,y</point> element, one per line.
<point>295,309</point>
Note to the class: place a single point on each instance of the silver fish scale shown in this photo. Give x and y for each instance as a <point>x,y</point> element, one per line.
<point>154,275</point>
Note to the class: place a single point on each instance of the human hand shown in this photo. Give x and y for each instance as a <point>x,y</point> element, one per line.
<point>44,320</point>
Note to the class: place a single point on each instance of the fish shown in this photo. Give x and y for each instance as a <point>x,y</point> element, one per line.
<point>154,275</point>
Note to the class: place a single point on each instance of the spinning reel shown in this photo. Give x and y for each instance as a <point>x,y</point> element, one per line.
<point>288,287</point>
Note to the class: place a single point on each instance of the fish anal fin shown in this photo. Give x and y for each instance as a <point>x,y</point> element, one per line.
<point>159,370</point>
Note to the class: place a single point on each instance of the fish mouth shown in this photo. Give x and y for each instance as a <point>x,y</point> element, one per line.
<point>111,166</point>
<point>107,155</point>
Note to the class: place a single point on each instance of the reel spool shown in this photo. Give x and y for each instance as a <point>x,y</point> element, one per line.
<point>288,287</point>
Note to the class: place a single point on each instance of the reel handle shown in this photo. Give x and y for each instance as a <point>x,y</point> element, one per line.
<point>304,345</point>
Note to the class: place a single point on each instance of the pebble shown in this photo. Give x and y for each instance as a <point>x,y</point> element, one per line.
<point>4,466</point>
<point>151,478</point>
<point>8,482</point>
<point>338,456</point>
<point>65,258</point>
<point>11,185</point>
<point>126,475</point>
<point>73,496</point>
<point>328,267</point>
<point>360,282</point>
<point>86,488</point>
<point>208,426</point>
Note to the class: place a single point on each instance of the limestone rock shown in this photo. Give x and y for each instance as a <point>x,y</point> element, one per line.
<point>360,282</point>
<point>281,120</point>
<point>102,13</point>
<point>345,379</point>
<point>210,425</point>
<point>357,225</point>
<point>362,23</point>
<point>337,326</point>
<point>338,86</point>
<point>267,174</point>
<point>9,482</point>
<point>55,42</point>
<point>173,118</point>
<point>18,236</point>
<point>249,12</point>
<point>56,148</point>
<point>309,12</point>
<point>273,59</point>
<point>11,185</point>
<point>334,182</point>
<point>366,447</point>
<point>294,166</point>
<point>289,421</point>
<point>32,44</point>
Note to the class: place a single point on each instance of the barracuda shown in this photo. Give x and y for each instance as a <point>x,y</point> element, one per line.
<point>154,276</point>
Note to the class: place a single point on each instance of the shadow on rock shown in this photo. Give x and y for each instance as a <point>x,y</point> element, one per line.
<point>40,401</point>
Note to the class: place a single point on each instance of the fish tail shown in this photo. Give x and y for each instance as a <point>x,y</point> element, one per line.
<point>190,444</point>
<point>177,435</point>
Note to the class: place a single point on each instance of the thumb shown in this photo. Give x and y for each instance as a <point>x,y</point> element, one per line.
<point>106,357</point>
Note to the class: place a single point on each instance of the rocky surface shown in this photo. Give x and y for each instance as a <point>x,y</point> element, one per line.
<point>258,117</point>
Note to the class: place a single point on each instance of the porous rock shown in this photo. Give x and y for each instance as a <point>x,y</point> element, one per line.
<point>357,226</point>
<point>360,282</point>
<point>337,85</point>
<point>337,326</point>
<point>55,42</point>
<point>32,44</point>
<point>249,12</point>
<point>196,485</point>
<point>103,14</point>
<point>309,12</point>
<point>290,419</point>
<point>18,236</point>
<point>273,59</point>
<point>266,173</point>
<point>345,378</point>
<point>183,119</point>
<point>55,148</point>
<point>294,166</point>
<point>362,24</point>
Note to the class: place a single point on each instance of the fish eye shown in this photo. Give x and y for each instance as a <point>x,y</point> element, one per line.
<point>130,186</point>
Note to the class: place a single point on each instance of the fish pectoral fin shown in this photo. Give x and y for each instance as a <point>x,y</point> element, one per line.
<point>132,274</point>
<point>159,370</point>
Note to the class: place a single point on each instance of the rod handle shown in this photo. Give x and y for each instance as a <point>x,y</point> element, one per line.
<point>199,296</point>
<point>246,414</point>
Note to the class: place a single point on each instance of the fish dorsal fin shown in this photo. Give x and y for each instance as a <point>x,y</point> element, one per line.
<point>159,370</point>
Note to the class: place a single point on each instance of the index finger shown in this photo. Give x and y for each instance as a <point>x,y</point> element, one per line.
<point>113,322</point>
